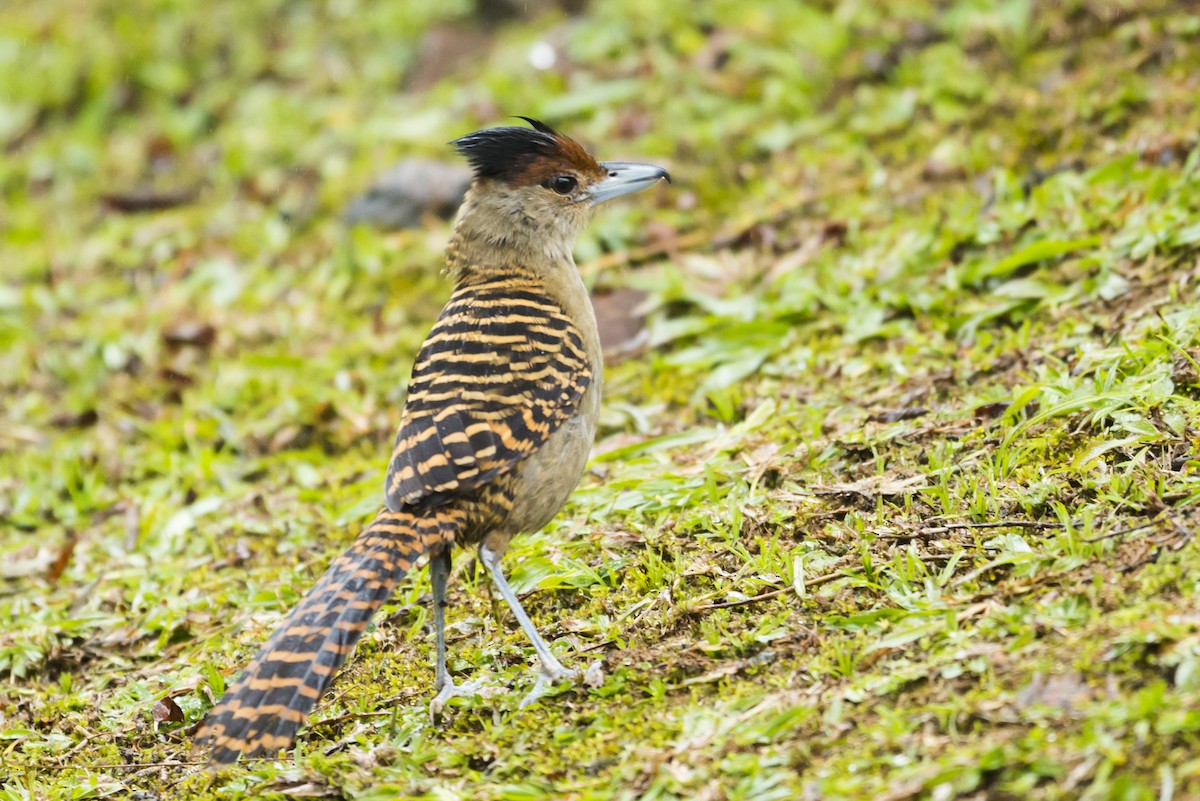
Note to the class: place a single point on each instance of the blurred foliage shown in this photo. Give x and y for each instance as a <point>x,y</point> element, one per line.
<point>898,501</point>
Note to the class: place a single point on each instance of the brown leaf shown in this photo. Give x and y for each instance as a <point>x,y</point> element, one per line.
<point>715,53</point>
<point>84,419</point>
<point>939,169</point>
<point>137,200</point>
<point>241,553</point>
<point>198,335</point>
<point>63,558</point>
<point>167,711</point>
<point>1183,368</point>
<point>990,411</point>
<point>834,231</point>
<point>733,667</point>
<point>301,788</point>
<point>289,437</point>
<point>764,463</point>
<point>621,321</point>
<point>179,379</point>
<point>896,415</point>
<point>1166,149</point>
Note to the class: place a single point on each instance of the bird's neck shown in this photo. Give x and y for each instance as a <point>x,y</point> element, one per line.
<point>499,224</point>
<point>474,253</point>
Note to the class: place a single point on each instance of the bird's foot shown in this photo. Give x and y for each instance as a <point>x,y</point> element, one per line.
<point>594,675</point>
<point>547,678</point>
<point>451,690</point>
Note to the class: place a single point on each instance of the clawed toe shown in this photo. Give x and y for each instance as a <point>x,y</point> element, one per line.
<point>451,690</point>
<point>547,678</point>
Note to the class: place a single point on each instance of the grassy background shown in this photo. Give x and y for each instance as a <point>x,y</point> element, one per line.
<point>899,502</point>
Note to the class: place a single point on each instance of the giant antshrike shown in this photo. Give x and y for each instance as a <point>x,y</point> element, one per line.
<point>500,416</point>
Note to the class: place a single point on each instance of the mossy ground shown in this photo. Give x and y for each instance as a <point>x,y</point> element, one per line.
<point>898,503</point>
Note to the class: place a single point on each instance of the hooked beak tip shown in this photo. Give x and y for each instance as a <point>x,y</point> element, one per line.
<point>626,178</point>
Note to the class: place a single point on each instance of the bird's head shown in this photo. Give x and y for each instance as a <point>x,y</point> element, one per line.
<point>534,187</point>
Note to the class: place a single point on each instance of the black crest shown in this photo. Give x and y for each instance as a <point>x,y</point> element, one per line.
<point>505,152</point>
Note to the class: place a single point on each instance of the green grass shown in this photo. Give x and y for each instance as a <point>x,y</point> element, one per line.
<point>899,502</point>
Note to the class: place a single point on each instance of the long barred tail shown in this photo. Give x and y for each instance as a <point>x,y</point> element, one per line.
<point>261,712</point>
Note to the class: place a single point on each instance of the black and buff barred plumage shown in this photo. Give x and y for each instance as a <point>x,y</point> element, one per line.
<point>502,369</point>
<point>263,710</point>
<point>499,419</point>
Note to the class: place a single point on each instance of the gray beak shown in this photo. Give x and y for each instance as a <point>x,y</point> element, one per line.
<point>624,178</point>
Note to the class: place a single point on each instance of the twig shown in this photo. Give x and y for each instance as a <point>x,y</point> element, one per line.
<point>814,582</point>
<point>727,236</point>
<point>644,253</point>
<point>1036,524</point>
<point>138,765</point>
<point>94,736</point>
<point>1186,537</point>
<point>1123,531</point>
<point>388,702</point>
<point>1040,525</point>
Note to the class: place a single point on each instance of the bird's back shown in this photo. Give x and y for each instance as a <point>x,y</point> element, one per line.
<point>503,369</point>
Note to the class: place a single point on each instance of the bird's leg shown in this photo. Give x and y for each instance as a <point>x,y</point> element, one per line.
<point>552,670</point>
<point>439,574</point>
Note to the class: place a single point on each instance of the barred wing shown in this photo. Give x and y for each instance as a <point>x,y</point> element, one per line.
<point>501,370</point>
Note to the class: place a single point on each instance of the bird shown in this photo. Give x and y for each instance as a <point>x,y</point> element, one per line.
<point>494,436</point>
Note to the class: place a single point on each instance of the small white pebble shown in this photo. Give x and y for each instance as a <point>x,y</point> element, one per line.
<point>542,56</point>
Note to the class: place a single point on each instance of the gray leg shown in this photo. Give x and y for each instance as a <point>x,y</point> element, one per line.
<point>552,670</point>
<point>439,574</point>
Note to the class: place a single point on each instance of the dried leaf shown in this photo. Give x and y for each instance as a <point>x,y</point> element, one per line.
<point>199,335</point>
<point>305,789</point>
<point>896,415</point>
<point>138,200</point>
<point>84,419</point>
<point>621,322</point>
<point>63,558</point>
<point>167,711</point>
<point>990,411</point>
<point>1184,370</point>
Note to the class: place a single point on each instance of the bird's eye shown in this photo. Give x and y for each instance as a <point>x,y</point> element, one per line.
<point>562,184</point>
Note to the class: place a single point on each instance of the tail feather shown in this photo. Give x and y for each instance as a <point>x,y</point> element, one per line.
<point>264,708</point>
